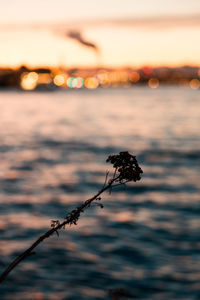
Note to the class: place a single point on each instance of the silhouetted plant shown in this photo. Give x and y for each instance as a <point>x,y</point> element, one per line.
<point>126,169</point>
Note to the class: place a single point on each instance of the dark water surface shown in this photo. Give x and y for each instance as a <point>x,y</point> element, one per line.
<point>53,148</point>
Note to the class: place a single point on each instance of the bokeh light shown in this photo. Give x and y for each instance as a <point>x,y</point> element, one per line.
<point>59,79</point>
<point>29,81</point>
<point>134,77</point>
<point>147,70</point>
<point>194,84</point>
<point>153,83</point>
<point>69,82</point>
<point>79,82</point>
<point>91,83</point>
<point>75,82</point>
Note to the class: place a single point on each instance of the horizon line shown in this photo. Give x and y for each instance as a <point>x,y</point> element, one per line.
<point>171,66</point>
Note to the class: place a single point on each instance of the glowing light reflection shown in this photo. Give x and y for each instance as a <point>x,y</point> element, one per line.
<point>59,80</point>
<point>194,84</point>
<point>75,82</point>
<point>91,83</point>
<point>29,81</point>
<point>134,77</point>
<point>153,83</point>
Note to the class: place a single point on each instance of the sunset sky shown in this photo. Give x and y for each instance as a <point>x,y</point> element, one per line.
<point>110,32</point>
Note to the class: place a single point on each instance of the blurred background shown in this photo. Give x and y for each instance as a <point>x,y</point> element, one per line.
<point>80,80</point>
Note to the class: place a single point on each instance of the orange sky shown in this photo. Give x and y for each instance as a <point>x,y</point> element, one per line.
<point>132,34</point>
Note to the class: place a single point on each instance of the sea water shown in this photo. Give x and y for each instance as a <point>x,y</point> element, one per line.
<point>53,148</point>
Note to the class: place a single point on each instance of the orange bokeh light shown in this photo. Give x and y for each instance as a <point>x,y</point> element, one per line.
<point>153,83</point>
<point>134,77</point>
<point>59,79</point>
<point>194,84</point>
<point>29,81</point>
<point>91,83</point>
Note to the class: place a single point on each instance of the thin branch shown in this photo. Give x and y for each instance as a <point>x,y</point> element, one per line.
<point>106,177</point>
<point>71,219</point>
<point>126,170</point>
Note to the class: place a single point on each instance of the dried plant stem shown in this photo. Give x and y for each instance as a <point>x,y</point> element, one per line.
<point>71,219</point>
<point>126,170</point>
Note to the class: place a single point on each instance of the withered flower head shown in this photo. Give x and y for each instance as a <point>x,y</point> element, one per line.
<point>126,166</point>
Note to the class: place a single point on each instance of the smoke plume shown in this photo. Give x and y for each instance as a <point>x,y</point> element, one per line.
<point>76,35</point>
